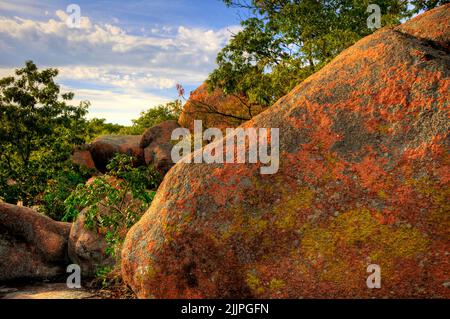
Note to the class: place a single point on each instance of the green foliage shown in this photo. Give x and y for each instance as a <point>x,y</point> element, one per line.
<point>420,5</point>
<point>105,277</point>
<point>285,41</point>
<point>154,116</point>
<point>38,130</point>
<point>114,202</point>
<point>59,188</point>
<point>97,127</point>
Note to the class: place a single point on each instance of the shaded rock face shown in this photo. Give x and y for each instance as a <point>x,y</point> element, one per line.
<point>363,179</point>
<point>216,109</point>
<point>104,148</point>
<point>32,246</point>
<point>157,145</point>
<point>83,157</point>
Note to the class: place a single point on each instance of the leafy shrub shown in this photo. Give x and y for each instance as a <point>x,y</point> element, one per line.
<point>115,201</point>
<point>59,189</point>
<point>105,278</point>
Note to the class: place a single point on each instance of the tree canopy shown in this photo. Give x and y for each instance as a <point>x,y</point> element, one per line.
<point>38,129</point>
<point>282,42</point>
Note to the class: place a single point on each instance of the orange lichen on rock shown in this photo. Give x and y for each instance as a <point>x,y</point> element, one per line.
<point>363,179</point>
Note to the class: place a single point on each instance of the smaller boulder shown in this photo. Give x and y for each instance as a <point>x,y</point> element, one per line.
<point>83,157</point>
<point>32,246</point>
<point>157,144</point>
<point>88,247</point>
<point>104,148</point>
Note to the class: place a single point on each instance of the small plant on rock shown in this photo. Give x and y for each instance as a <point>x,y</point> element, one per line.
<point>113,202</point>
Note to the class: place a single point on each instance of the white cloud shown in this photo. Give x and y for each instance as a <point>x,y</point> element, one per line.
<point>95,44</point>
<point>107,55</point>
<point>119,108</point>
<point>121,77</point>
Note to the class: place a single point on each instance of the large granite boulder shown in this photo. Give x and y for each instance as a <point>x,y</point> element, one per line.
<point>104,148</point>
<point>363,179</point>
<point>157,144</point>
<point>32,246</point>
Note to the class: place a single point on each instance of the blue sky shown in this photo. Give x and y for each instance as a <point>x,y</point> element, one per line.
<point>127,56</point>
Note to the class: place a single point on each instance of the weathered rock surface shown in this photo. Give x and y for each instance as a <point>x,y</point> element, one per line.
<point>87,248</point>
<point>157,145</point>
<point>32,246</point>
<point>363,179</point>
<point>104,148</point>
<point>83,157</point>
<point>151,148</point>
<point>216,109</point>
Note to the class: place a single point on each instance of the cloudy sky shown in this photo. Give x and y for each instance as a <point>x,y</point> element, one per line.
<point>126,56</point>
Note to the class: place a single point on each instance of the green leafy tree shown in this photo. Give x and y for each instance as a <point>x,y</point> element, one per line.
<point>38,129</point>
<point>97,127</point>
<point>284,41</point>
